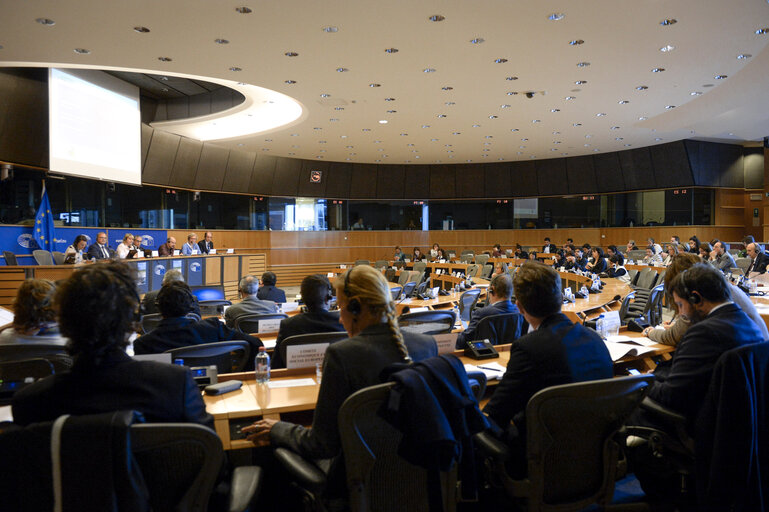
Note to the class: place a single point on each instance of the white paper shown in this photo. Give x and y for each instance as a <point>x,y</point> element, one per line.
<point>6,316</point>
<point>269,343</point>
<point>419,310</point>
<point>305,356</point>
<point>288,306</point>
<point>646,342</point>
<point>619,350</point>
<point>155,254</point>
<point>230,251</point>
<point>290,383</point>
<point>212,251</point>
<point>490,374</point>
<point>272,325</point>
<point>140,254</point>
<point>446,342</point>
<point>195,251</point>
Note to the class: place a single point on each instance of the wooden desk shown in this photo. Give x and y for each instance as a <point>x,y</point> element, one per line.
<point>641,267</point>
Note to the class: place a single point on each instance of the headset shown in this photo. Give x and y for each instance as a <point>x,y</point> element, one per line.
<point>353,306</point>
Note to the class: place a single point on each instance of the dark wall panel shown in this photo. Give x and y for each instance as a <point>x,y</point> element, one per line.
<point>470,180</point>
<point>308,188</point>
<point>390,181</point>
<point>160,158</point>
<point>417,182</point>
<point>551,177</point>
<point>212,166</point>
<point>186,163</point>
<point>338,183</point>
<point>239,168</point>
<point>497,178</point>
<point>671,165</point>
<point>731,165</point>
<point>442,182</point>
<point>637,169</point>
<point>523,176</point>
<point>285,181</point>
<point>262,175</point>
<point>581,175</point>
<point>363,182</point>
<point>608,173</point>
<point>146,136</point>
<point>24,116</point>
<point>753,159</point>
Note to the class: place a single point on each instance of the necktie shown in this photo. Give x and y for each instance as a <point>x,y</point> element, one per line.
<point>104,251</point>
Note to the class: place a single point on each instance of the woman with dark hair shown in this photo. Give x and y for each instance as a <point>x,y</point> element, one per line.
<point>704,250</point>
<point>417,256</point>
<point>694,245</point>
<point>74,253</point>
<point>98,310</point>
<point>598,264</point>
<point>34,318</point>
<point>434,251</point>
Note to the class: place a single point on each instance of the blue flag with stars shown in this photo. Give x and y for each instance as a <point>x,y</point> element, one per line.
<point>44,230</point>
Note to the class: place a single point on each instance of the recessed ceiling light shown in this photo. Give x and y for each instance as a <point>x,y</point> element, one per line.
<point>569,98</point>
<point>511,78</point>
<point>374,85</point>
<point>583,64</point>
<point>588,136</point>
<point>580,82</point>
<point>623,102</point>
<point>600,114</point>
<point>493,117</point>
<point>555,110</point>
<point>720,77</point>
<point>235,68</point>
<point>643,118</point>
<point>267,140</point>
<point>295,135</point>
<point>614,128</point>
<point>240,145</point>
<point>618,138</point>
<point>456,133</point>
<point>243,10</point>
<point>521,147</point>
<point>391,50</point>
<point>626,145</point>
<point>524,139</point>
<point>321,142</point>
<point>342,70</point>
<point>556,16</point>
<point>441,115</point>
<point>141,30</point>
<point>425,126</point>
<point>290,82</point>
<point>446,88</point>
<point>291,54</point>
<point>535,120</point>
<point>338,108</point>
<point>436,17</point>
<point>586,145</point>
<point>488,137</point>
<point>744,56</point>
<point>265,149</point>
<point>762,31</point>
<point>500,61</point>
<point>668,22</point>
<point>477,40</point>
<point>165,89</point>
<point>428,70</point>
<point>82,51</point>
<point>330,30</point>
<point>657,139</point>
<point>410,145</point>
<point>504,106</point>
<point>404,134</point>
<point>325,95</point>
<point>45,21</point>
<point>221,41</point>
<point>365,129</point>
<point>695,93</point>
<point>576,124</point>
<point>641,88</point>
<point>165,59</point>
<point>333,120</point>
<point>433,140</point>
<point>667,48</point>
<point>514,130</point>
<point>658,70</point>
<point>377,142</point>
<point>449,103</point>
<point>476,126</point>
<point>575,42</point>
<point>383,121</point>
<point>392,111</point>
<point>670,107</point>
<point>512,93</point>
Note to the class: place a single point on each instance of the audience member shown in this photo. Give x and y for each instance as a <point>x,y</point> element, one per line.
<point>168,248</point>
<point>176,330</point>
<point>191,247</point>
<point>74,253</point>
<point>268,291</point>
<point>577,261</point>
<point>631,246</point>
<point>497,252</point>
<point>705,251</point>
<point>651,257</point>
<point>316,295</point>
<point>250,305</point>
<point>97,310</point>
<point>694,244</point>
<point>100,250</point>
<point>657,248</point>
<point>548,247</point>
<point>758,259</point>
<point>399,254</point>
<point>612,250</point>
<point>34,319</point>
<point>723,261</point>
<point>434,251</point>
<point>150,301</point>
<point>675,239</point>
<point>598,264</point>
<point>138,240</point>
<point>520,253</point>
<point>499,293</point>
<point>558,351</point>
<point>617,268</point>
<point>125,247</point>
<point>417,256</point>
<point>207,243</point>
<point>359,224</point>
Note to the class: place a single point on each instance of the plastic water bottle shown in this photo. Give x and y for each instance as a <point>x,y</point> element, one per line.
<point>600,327</point>
<point>262,364</point>
<point>753,287</point>
<point>457,318</point>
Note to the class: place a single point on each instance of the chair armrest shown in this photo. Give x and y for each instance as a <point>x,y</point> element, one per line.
<point>664,413</point>
<point>492,447</point>
<point>244,487</point>
<point>306,473</point>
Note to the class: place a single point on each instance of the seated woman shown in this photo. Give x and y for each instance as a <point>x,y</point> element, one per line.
<point>191,247</point>
<point>617,269</point>
<point>598,264</point>
<point>520,253</point>
<point>368,314</point>
<point>417,256</point>
<point>34,319</point>
<point>75,252</point>
<point>434,251</point>
<point>126,246</point>
<point>705,250</point>
<point>651,257</point>
<point>497,252</point>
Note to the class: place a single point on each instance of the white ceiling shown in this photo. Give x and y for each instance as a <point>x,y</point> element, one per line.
<point>622,41</point>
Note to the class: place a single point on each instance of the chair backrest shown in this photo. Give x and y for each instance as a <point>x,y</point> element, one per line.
<point>14,375</point>
<point>55,354</point>
<point>362,262</point>
<point>473,270</point>
<point>395,292</point>
<point>466,303</point>
<point>310,339</point>
<point>228,356</point>
<point>380,264</point>
<point>487,270</point>
<point>420,266</point>
<point>428,322</point>
<point>500,329</point>
<point>571,451</point>
<point>377,477</point>
<point>150,321</point>
<point>633,273</point>
<point>250,323</point>
<point>646,279</point>
<point>420,289</point>
<point>466,258</point>
<point>58,257</point>
<point>467,251</point>
<point>213,307</point>
<point>482,259</point>
<point>403,278</point>
<point>636,255</point>
<point>10,258</point>
<point>653,308</point>
<point>42,257</point>
<point>180,463</point>
<point>416,276</point>
<point>626,301</point>
<point>408,288</point>
<point>390,276</point>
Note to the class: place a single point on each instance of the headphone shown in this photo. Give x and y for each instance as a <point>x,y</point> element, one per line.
<point>353,306</point>
<point>693,297</point>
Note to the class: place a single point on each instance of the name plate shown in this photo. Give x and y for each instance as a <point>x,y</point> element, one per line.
<point>287,307</point>
<point>212,251</point>
<point>272,325</point>
<point>155,254</point>
<point>230,251</point>
<point>446,342</point>
<point>305,356</point>
<point>176,252</point>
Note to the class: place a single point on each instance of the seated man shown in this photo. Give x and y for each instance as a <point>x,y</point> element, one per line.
<point>558,351</point>
<point>150,300</point>
<point>316,294</point>
<point>207,243</point>
<point>721,259</point>
<point>500,291</point>
<point>268,291</point>
<point>167,249</point>
<point>97,309</point>
<point>576,262</point>
<point>175,300</point>
<point>758,259</point>
<point>250,305</point>
<point>101,249</point>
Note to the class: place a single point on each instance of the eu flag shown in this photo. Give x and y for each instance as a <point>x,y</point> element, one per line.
<point>43,230</point>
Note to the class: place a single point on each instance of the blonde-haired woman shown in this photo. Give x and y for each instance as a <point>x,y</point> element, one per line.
<point>368,314</point>
<point>125,246</point>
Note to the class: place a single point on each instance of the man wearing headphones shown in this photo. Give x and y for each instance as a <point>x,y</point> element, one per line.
<point>251,304</point>
<point>500,292</point>
<point>316,295</point>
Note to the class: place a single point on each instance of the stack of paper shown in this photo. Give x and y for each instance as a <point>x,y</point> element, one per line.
<point>622,346</point>
<point>492,370</point>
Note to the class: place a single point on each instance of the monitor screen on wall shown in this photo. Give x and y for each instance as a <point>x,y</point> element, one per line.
<point>95,126</point>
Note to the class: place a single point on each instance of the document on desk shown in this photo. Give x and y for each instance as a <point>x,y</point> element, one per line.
<point>492,370</point>
<point>290,383</point>
<point>620,349</point>
<point>646,342</point>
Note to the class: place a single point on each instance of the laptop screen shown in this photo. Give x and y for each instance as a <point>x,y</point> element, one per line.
<point>208,292</point>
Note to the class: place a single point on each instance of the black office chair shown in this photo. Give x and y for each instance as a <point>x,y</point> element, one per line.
<point>249,324</point>
<point>395,292</point>
<point>419,290</point>
<point>572,444</point>
<point>420,266</point>
<point>228,356</point>
<point>42,257</point>
<point>308,339</point>
<point>213,307</point>
<point>467,302</point>
<point>15,375</point>
<point>487,270</point>
<point>10,259</point>
<point>408,288</point>
<point>380,264</point>
<point>55,354</point>
<point>502,328</point>
<point>150,321</point>
<point>428,322</point>
<point>58,257</point>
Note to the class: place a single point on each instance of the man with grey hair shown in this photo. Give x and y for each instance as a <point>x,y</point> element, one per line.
<point>250,305</point>
<point>150,301</point>
<point>722,260</point>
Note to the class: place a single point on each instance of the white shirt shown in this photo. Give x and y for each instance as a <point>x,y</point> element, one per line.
<point>122,250</point>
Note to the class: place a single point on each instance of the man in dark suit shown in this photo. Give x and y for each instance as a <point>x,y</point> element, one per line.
<point>268,291</point>
<point>250,305</point>
<point>175,300</point>
<point>97,307</point>
<point>558,351</point>
<point>207,243</point>
<point>578,261</point>
<point>500,291</point>
<point>100,250</point>
<point>758,259</point>
<point>167,249</point>
<point>548,247</point>
<point>316,294</point>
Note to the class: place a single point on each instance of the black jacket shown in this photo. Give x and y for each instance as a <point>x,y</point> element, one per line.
<point>304,323</point>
